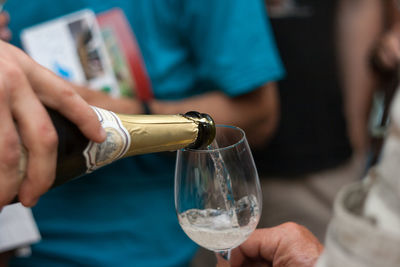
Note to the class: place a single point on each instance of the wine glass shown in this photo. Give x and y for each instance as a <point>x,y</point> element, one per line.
<point>217,192</point>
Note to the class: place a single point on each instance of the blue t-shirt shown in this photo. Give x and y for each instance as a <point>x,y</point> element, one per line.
<point>123,214</point>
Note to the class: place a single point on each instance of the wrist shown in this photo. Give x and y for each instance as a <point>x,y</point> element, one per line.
<point>146,109</point>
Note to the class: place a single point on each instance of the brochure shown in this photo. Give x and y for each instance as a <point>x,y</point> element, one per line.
<point>95,51</point>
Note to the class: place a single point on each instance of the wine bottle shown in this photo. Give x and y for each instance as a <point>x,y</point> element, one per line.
<point>127,135</point>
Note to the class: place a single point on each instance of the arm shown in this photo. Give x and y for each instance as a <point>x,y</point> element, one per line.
<point>360,24</point>
<point>256,112</point>
<point>368,32</point>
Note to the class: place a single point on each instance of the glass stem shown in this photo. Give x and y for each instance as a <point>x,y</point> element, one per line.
<point>226,254</point>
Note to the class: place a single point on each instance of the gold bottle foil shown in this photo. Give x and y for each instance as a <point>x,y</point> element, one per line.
<point>155,133</point>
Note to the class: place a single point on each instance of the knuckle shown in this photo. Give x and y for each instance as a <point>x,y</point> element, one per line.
<point>12,158</point>
<point>12,151</point>
<point>48,137</point>
<point>293,227</point>
<point>11,77</point>
<point>13,73</point>
<point>67,92</point>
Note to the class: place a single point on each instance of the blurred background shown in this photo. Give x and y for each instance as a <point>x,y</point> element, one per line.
<point>340,59</point>
<point>314,108</point>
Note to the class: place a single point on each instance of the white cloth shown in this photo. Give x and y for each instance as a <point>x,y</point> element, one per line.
<point>364,231</point>
<point>17,227</point>
<point>354,240</point>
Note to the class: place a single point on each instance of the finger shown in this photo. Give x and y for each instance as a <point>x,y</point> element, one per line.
<point>10,151</point>
<point>235,262</point>
<point>257,247</point>
<point>58,94</point>
<point>240,260</point>
<point>237,257</point>
<point>40,139</point>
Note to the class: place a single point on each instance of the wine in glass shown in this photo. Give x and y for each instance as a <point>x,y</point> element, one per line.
<point>217,191</point>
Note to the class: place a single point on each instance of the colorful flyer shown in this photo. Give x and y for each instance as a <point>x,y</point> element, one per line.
<point>100,52</point>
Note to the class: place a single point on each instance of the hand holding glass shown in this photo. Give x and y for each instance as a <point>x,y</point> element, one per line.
<point>217,191</point>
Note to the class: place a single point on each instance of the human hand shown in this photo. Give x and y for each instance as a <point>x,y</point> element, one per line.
<point>286,245</point>
<point>25,87</point>
<point>5,33</point>
<point>386,55</point>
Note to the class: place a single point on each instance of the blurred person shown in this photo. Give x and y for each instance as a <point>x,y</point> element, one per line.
<point>310,157</point>
<point>364,228</point>
<point>328,49</point>
<point>359,25</point>
<point>387,51</point>
<point>385,58</point>
<point>217,57</point>
<point>368,41</point>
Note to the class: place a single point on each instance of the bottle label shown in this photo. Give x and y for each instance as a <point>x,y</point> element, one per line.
<point>114,147</point>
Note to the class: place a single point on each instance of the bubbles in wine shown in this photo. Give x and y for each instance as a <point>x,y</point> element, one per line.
<point>219,230</point>
<point>224,181</point>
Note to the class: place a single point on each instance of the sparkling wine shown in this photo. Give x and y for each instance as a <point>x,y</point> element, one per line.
<point>221,230</point>
<point>225,182</point>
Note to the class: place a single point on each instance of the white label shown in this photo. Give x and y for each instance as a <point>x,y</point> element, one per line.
<point>114,147</point>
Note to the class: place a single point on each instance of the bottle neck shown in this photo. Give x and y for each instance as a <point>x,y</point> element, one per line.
<point>129,135</point>
<point>158,133</point>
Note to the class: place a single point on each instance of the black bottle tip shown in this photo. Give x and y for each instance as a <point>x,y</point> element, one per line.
<point>207,129</point>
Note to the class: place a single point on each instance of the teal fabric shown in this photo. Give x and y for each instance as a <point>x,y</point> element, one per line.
<point>123,214</point>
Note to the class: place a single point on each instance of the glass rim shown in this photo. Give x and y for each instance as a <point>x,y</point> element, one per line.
<point>241,140</point>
